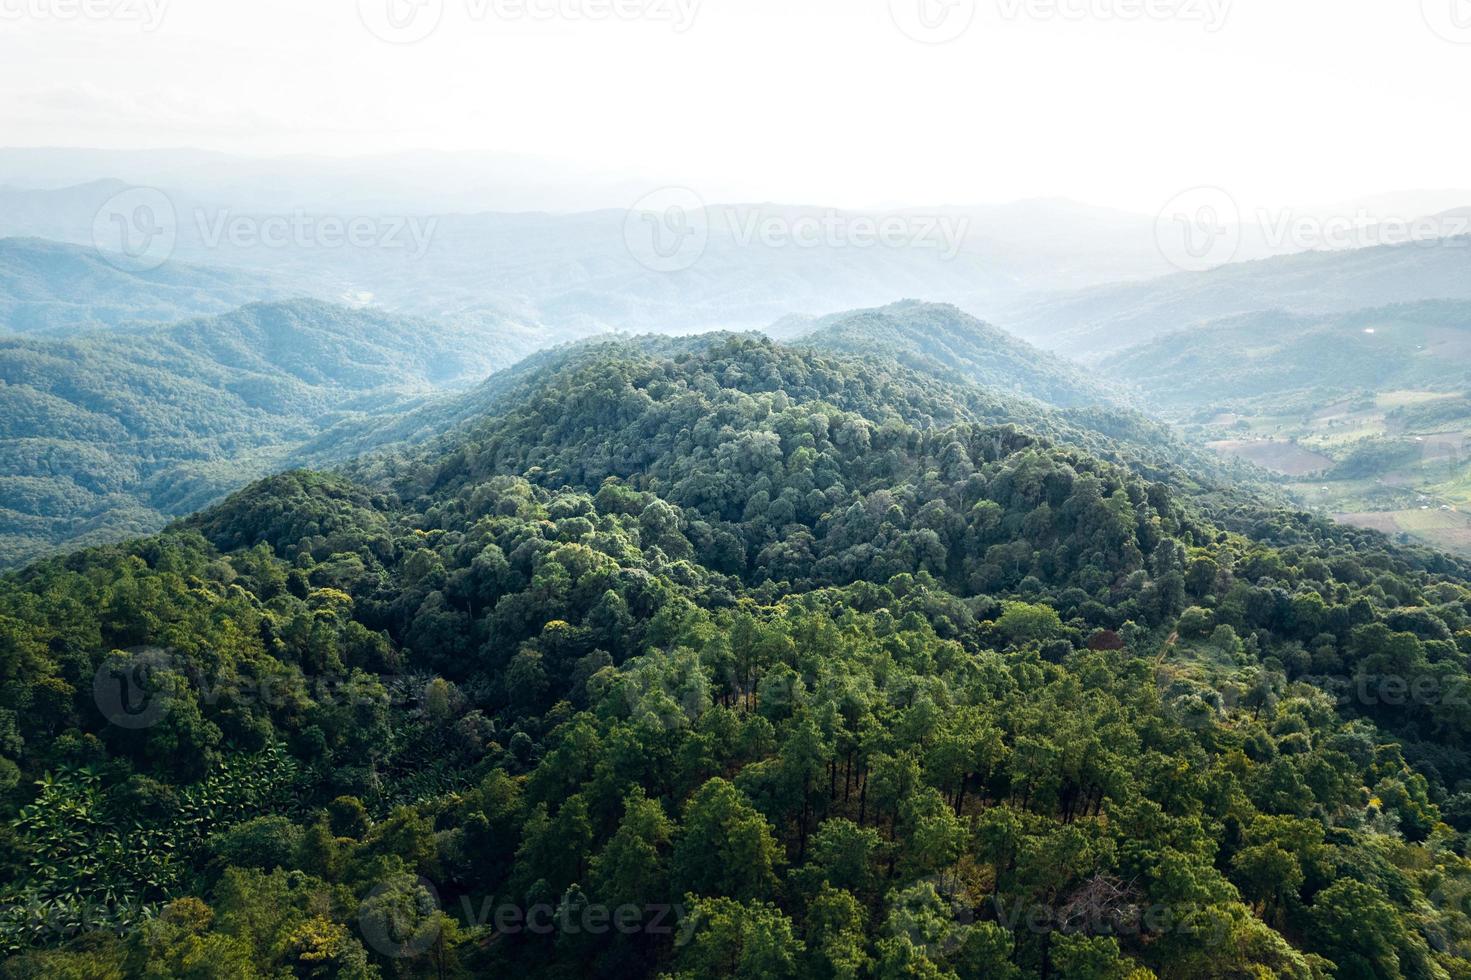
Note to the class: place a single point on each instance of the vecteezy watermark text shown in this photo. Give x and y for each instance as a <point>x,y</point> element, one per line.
<point>147,14</point>
<point>670,229</point>
<point>1204,227</point>
<point>302,230</point>
<point>411,21</point>
<point>1210,14</point>
<point>135,689</point>
<point>402,918</point>
<point>834,229</point>
<point>139,230</point>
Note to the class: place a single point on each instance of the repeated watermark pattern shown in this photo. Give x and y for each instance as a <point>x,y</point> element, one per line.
<point>1393,690</point>
<point>136,229</point>
<point>412,21</point>
<point>942,233</point>
<point>140,229</point>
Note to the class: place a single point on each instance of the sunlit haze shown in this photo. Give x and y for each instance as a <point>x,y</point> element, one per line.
<point>828,102</point>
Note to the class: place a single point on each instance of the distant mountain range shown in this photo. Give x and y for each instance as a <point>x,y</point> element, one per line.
<point>50,288</point>
<point>1094,322</point>
<point>1366,414</point>
<point>575,274</point>
<point>1280,355</point>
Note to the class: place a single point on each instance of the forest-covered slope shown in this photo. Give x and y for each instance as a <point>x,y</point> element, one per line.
<point>730,659</point>
<point>165,421</point>
<point>109,434</point>
<point>962,361</point>
<point>941,339</point>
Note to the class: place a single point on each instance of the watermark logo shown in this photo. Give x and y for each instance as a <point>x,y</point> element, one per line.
<point>667,230</point>
<point>1203,228</point>
<point>401,21</point>
<point>933,21</point>
<point>670,230</point>
<point>403,918</point>
<point>1374,691</point>
<point>300,230</point>
<point>126,689</point>
<point>1199,229</point>
<point>400,918</point>
<point>935,913</point>
<point>147,14</point>
<point>832,229</point>
<point>1193,706</point>
<point>136,230</point>
<point>1450,19</point>
<point>1290,231</point>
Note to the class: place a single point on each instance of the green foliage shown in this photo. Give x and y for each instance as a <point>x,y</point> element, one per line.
<point>110,434</point>
<point>790,666</point>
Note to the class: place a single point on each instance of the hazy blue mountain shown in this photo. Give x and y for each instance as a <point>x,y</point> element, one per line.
<point>574,273</point>
<point>51,288</point>
<point>1106,319</point>
<point>1283,355</point>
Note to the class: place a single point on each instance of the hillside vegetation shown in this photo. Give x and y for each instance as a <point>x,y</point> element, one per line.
<point>943,340</point>
<point>110,434</point>
<point>722,658</point>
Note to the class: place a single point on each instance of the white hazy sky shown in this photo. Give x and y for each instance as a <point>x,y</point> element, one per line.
<point>828,101</point>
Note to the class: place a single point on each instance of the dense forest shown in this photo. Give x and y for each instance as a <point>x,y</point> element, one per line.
<point>719,657</point>
<point>110,434</point>
<point>941,339</point>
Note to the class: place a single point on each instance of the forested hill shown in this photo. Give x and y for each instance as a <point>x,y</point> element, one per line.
<point>55,289</point>
<point>940,338</point>
<point>974,377</point>
<point>110,434</point>
<point>729,659</point>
